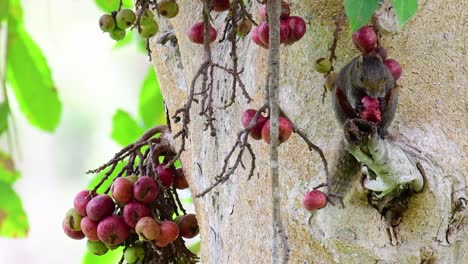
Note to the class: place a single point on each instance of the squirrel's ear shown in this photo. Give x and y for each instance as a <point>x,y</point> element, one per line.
<point>359,61</point>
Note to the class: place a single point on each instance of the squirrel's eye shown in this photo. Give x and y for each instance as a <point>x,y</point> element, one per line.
<point>361,78</point>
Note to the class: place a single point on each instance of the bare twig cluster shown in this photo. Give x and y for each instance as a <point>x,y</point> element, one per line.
<point>141,158</point>
<point>203,94</point>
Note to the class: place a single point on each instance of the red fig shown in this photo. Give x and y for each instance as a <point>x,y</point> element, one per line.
<point>165,175</point>
<point>134,211</point>
<point>89,228</point>
<point>297,29</point>
<point>72,234</point>
<point>113,230</point>
<point>81,200</point>
<point>196,33</point>
<point>314,200</point>
<point>365,39</point>
<point>188,225</point>
<point>256,38</point>
<point>122,190</point>
<point>285,130</point>
<point>394,68</point>
<point>145,189</point>
<point>256,131</point>
<point>100,207</point>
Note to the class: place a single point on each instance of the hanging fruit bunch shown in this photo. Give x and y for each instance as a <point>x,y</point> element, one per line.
<point>292,28</point>
<point>141,210</point>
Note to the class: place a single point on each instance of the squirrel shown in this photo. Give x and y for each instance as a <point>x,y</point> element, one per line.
<point>365,75</point>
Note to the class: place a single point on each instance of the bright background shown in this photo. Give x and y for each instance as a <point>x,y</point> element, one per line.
<point>93,81</point>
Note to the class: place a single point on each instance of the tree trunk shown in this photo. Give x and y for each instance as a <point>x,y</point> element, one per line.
<point>236,217</point>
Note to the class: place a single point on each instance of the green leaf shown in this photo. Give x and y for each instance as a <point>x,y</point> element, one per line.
<point>97,178</point>
<point>124,42</point>
<point>15,12</point>
<point>112,5</point>
<point>13,219</point>
<point>151,105</point>
<point>404,9</point>
<point>3,9</point>
<point>8,172</point>
<point>31,80</point>
<point>112,256</point>
<point>4,111</point>
<point>125,130</point>
<point>359,12</point>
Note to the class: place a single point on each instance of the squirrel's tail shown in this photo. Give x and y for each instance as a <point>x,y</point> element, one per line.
<point>346,169</point>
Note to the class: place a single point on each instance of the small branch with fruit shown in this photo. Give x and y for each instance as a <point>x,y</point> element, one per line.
<point>136,211</point>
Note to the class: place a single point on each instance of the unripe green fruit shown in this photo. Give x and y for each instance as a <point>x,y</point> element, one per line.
<point>323,65</point>
<point>244,27</point>
<point>73,220</point>
<point>118,34</point>
<point>134,254</point>
<point>125,18</point>
<point>149,30</point>
<point>147,17</point>
<point>97,247</point>
<point>168,8</point>
<point>107,23</point>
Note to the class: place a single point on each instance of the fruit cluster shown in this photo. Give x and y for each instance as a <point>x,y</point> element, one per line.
<point>365,40</point>
<point>292,28</point>
<point>261,129</point>
<point>117,22</point>
<point>129,215</point>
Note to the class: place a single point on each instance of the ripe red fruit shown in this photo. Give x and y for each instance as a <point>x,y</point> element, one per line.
<point>169,232</point>
<point>285,130</point>
<point>81,200</point>
<point>314,200</point>
<point>133,212</point>
<point>365,39</point>
<point>264,32</point>
<point>165,175</point>
<point>256,38</point>
<point>196,33</point>
<point>188,225</point>
<point>180,181</point>
<point>145,189</point>
<point>147,228</point>
<point>89,229</point>
<point>100,207</point>
<point>256,131</point>
<point>371,111</point>
<point>72,234</point>
<point>382,52</point>
<point>122,190</point>
<point>113,230</point>
<point>220,5</point>
<point>297,29</point>
<point>394,67</point>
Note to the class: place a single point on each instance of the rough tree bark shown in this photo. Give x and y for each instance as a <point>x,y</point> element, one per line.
<point>235,217</point>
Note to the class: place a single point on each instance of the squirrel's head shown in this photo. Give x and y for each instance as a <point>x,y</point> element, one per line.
<point>370,75</point>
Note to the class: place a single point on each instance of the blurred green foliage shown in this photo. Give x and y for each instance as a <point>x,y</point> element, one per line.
<point>28,75</point>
